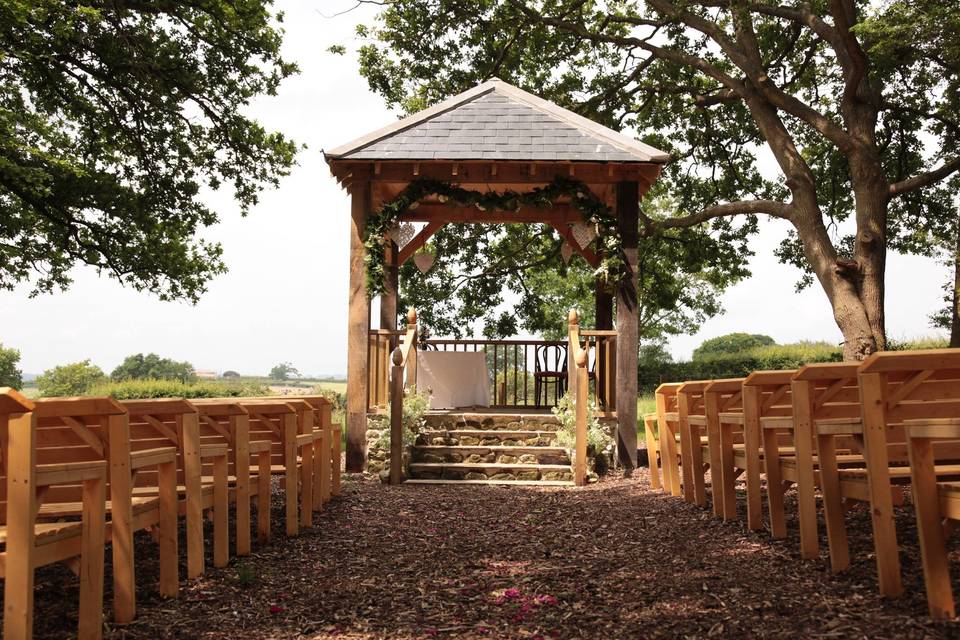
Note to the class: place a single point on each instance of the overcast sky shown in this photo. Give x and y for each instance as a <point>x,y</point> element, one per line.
<point>285,296</point>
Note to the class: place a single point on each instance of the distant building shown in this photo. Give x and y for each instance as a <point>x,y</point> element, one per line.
<point>206,375</point>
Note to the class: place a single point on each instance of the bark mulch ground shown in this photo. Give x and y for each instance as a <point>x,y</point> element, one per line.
<point>614,560</point>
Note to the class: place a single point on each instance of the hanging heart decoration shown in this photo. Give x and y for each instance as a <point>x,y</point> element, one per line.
<point>584,233</point>
<point>566,252</point>
<point>424,261</point>
<point>402,234</point>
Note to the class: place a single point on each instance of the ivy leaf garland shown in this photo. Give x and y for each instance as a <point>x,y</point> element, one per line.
<point>585,201</point>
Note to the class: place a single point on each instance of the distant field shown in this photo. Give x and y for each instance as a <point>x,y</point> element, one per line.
<point>339,387</point>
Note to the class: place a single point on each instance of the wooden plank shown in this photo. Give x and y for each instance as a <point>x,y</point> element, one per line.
<point>221,512</point>
<point>263,496</point>
<point>167,489</point>
<point>872,388</point>
<point>20,545</point>
<point>396,419</point>
<point>240,426</point>
<point>289,422</point>
<point>712,414</point>
<point>833,511</point>
<point>628,207</point>
<point>752,439</point>
<point>357,328</point>
<point>91,559</point>
<point>83,432</point>
<point>803,408</point>
<point>652,451</point>
<point>121,517</point>
<point>686,444</point>
<point>933,546</point>
<point>188,427</point>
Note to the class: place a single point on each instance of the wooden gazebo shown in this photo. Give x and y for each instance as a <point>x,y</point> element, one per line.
<point>492,137</point>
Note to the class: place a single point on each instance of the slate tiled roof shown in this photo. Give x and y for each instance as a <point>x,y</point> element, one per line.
<point>497,121</point>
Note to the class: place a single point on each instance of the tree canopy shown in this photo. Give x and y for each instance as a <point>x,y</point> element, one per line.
<point>856,104</point>
<point>10,374</point>
<point>283,371</point>
<point>113,117</point>
<point>152,367</point>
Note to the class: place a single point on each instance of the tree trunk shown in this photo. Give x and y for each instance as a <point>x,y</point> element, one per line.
<point>955,306</point>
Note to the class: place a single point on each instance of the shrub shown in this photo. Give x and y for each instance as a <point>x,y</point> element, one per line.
<point>731,343</point>
<point>152,367</point>
<point>147,389</point>
<point>789,356</point>
<point>597,436</point>
<point>73,379</point>
<point>338,400</point>
<point>415,406</point>
<point>10,374</point>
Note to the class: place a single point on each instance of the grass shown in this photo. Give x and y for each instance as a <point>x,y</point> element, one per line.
<point>646,403</point>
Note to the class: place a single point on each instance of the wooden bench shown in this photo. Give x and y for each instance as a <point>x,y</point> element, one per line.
<point>201,471</point>
<point>894,387</point>
<point>288,426</point>
<point>94,429</point>
<point>668,430</point>
<point>27,543</point>
<point>937,505</point>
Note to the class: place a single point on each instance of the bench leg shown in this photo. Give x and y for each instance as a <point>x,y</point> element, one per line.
<point>263,497</point>
<point>167,489</point>
<point>306,486</point>
<point>221,513</point>
<point>335,458</point>
<point>933,546</point>
<point>242,513</point>
<point>91,560</point>
<point>652,458</point>
<point>771,454</point>
<point>833,510</point>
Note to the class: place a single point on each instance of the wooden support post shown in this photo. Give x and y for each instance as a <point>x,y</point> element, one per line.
<point>582,399</point>
<point>752,438</point>
<point>357,332</point>
<point>396,417</point>
<point>221,513</point>
<point>91,560</point>
<point>411,364</point>
<point>628,211</point>
<point>189,427</point>
<point>263,497</point>
<point>121,518</point>
<point>20,544</point>
<point>167,489</point>
<point>241,468</point>
<point>573,346</point>
<point>291,482</point>
<point>605,360</point>
<point>802,392</point>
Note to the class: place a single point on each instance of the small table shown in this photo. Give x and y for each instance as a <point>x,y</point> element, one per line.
<point>454,378</point>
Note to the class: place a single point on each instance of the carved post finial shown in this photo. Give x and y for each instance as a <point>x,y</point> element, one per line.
<point>397,357</point>
<point>581,357</point>
<point>411,316</point>
<point>573,317</point>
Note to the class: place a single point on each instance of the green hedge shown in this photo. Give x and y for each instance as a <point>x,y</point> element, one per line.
<point>146,389</point>
<point>791,356</point>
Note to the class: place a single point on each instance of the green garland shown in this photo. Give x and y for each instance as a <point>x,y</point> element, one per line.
<point>590,206</point>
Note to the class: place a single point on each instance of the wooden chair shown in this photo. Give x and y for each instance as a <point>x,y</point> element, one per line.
<point>550,368</point>
<point>937,505</point>
<point>27,543</point>
<point>201,472</point>
<point>323,449</point>
<point>653,449</point>
<point>730,425</point>
<point>96,429</point>
<point>669,436</point>
<point>894,387</point>
<point>721,397</point>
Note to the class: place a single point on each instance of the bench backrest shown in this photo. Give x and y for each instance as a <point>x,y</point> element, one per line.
<point>163,422</point>
<point>13,407</point>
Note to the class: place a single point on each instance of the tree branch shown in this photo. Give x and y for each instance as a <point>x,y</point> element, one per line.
<point>769,207</point>
<point>924,179</point>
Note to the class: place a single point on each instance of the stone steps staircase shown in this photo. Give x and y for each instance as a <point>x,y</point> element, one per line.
<point>490,448</point>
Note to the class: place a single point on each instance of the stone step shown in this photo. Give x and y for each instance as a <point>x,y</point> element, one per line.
<point>489,471</point>
<point>491,454</point>
<point>492,421</point>
<point>516,483</point>
<point>479,437</point>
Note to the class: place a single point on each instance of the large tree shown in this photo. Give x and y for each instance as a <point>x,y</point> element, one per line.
<point>855,103</point>
<point>114,114</point>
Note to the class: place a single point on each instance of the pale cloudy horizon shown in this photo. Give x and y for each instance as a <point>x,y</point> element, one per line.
<point>285,295</point>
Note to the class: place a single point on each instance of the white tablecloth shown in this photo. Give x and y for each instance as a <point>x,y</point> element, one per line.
<point>455,378</point>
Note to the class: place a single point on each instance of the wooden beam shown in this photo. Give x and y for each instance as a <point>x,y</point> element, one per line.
<point>418,241</point>
<point>491,172</point>
<point>391,286</point>
<point>628,211</point>
<point>357,332</point>
<point>564,230</point>
<point>558,214</point>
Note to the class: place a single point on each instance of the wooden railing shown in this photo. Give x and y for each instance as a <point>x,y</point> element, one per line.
<point>516,380</point>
